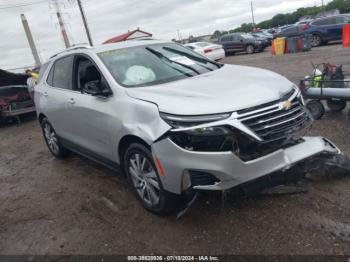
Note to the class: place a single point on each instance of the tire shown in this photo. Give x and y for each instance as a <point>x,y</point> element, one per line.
<point>316,40</point>
<point>52,140</point>
<point>144,178</point>
<point>250,49</point>
<point>336,105</point>
<point>316,109</point>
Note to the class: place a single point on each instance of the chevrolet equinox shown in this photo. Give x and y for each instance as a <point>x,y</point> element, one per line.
<point>172,119</point>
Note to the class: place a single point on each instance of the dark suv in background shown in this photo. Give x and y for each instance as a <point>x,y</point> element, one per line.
<point>327,29</point>
<point>241,42</point>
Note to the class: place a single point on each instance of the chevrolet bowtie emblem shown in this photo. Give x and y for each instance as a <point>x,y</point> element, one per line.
<point>286,105</point>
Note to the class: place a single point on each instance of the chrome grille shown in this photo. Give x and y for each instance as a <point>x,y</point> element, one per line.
<point>273,122</point>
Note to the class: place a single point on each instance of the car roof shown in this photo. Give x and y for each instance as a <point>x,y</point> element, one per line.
<point>106,47</point>
<point>329,16</point>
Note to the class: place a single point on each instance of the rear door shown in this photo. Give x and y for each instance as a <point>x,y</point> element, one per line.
<point>340,21</point>
<point>335,27</point>
<point>227,43</point>
<point>55,96</point>
<point>239,43</point>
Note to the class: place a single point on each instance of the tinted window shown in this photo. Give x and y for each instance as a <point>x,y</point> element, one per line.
<point>42,70</point>
<point>50,77</point>
<point>290,30</point>
<point>236,38</point>
<point>226,38</point>
<point>326,21</point>
<point>342,19</point>
<point>62,76</point>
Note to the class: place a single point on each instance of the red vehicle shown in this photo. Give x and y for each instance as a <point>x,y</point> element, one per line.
<point>14,96</point>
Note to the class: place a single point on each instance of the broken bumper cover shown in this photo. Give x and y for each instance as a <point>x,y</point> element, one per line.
<point>229,170</point>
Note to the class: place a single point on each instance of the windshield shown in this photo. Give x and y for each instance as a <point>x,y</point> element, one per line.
<point>155,64</point>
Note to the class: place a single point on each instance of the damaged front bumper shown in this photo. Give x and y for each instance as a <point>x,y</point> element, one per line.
<point>182,168</point>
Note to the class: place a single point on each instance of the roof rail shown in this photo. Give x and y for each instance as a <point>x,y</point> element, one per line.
<point>74,47</point>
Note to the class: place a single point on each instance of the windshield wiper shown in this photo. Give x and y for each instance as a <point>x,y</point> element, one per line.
<point>161,55</point>
<point>199,59</point>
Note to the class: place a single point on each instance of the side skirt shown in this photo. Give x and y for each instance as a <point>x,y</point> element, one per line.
<point>91,155</point>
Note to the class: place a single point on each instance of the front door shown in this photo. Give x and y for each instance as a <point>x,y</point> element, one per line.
<point>91,118</point>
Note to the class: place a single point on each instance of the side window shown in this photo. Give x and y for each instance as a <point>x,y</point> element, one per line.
<point>320,22</point>
<point>86,74</point>
<point>50,77</point>
<point>224,39</point>
<point>236,38</point>
<point>63,72</point>
<point>342,19</point>
<point>42,71</point>
<point>332,21</point>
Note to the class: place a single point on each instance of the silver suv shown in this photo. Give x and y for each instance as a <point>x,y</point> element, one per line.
<point>172,119</point>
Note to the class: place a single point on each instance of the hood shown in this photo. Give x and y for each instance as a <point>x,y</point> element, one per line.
<point>227,89</point>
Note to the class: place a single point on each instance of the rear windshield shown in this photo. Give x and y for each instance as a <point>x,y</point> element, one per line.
<point>155,64</point>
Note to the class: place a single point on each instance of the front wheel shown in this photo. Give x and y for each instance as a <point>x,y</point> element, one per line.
<point>316,109</point>
<point>143,176</point>
<point>316,40</point>
<point>250,49</point>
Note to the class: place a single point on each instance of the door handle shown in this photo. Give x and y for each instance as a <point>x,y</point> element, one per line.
<point>71,101</point>
<point>45,94</point>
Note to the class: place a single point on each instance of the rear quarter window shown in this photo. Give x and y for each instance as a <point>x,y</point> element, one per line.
<point>42,71</point>
<point>61,73</point>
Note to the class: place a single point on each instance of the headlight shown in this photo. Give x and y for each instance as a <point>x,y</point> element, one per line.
<point>209,131</point>
<point>188,121</point>
<point>299,95</point>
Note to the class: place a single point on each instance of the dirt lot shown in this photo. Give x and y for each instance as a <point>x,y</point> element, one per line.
<point>75,206</point>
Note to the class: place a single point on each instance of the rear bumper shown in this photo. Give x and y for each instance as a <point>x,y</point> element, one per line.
<point>227,167</point>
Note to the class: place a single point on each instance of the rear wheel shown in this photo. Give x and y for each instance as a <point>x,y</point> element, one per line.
<point>316,40</point>
<point>143,176</point>
<point>52,140</point>
<point>316,109</point>
<point>250,49</point>
<point>336,105</point>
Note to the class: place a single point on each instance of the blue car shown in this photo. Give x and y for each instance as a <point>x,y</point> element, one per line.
<point>326,29</point>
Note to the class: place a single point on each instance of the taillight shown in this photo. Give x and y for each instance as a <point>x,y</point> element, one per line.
<point>208,50</point>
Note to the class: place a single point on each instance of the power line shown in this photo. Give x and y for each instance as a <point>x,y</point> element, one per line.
<point>24,4</point>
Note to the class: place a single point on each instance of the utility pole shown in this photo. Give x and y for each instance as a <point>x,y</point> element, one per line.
<point>30,40</point>
<point>251,7</point>
<point>61,24</point>
<point>85,22</point>
<point>179,35</point>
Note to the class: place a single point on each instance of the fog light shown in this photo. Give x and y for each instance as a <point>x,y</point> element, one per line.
<point>186,181</point>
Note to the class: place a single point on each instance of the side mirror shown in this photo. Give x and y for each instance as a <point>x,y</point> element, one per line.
<point>96,88</point>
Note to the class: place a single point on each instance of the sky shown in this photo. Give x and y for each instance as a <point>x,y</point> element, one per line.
<point>108,18</point>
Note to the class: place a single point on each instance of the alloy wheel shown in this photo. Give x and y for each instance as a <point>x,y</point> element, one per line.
<point>51,138</point>
<point>144,179</point>
<point>250,49</point>
<point>316,41</point>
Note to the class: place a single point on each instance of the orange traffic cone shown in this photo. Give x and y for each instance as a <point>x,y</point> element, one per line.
<point>273,48</point>
<point>346,35</point>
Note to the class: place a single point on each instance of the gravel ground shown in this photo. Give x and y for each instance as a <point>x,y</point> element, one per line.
<point>75,206</point>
